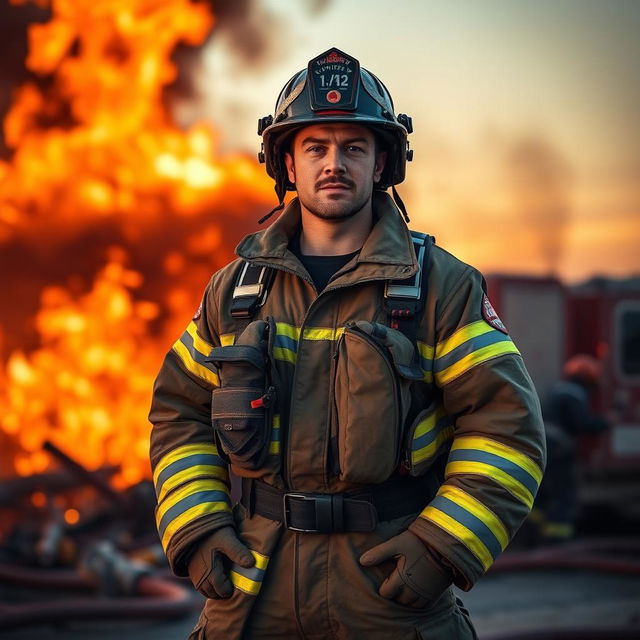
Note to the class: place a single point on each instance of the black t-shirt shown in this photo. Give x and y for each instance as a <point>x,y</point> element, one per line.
<point>320,268</point>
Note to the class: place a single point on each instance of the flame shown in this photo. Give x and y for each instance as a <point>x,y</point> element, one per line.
<point>87,388</point>
<point>96,157</point>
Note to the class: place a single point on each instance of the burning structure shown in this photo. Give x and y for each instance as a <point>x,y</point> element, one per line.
<point>111,221</point>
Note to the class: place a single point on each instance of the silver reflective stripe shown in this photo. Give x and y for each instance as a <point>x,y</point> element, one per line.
<point>247,290</point>
<point>254,289</point>
<point>297,90</point>
<point>409,290</point>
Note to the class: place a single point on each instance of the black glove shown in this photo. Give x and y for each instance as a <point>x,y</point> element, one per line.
<point>206,566</point>
<point>418,579</point>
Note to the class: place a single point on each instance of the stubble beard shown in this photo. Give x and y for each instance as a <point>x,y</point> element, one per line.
<point>336,211</point>
<point>333,213</point>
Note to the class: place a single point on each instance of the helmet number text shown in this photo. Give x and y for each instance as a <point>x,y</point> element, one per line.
<point>335,80</point>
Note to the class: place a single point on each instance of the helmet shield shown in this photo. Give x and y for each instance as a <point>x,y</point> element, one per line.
<point>334,88</point>
<point>333,81</point>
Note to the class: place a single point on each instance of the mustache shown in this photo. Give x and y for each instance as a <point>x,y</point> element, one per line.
<point>341,180</point>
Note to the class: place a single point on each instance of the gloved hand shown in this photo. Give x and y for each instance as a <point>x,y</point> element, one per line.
<point>206,567</point>
<point>418,579</point>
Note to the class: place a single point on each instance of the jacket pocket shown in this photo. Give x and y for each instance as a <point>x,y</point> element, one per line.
<point>241,419</point>
<point>242,408</point>
<point>428,436</point>
<point>371,396</point>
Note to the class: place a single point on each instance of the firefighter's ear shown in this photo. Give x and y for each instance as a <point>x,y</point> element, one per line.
<point>381,161</point>
<point>291,169</point>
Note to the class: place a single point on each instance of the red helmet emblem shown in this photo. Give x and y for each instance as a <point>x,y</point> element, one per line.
<point>334,96</point>
<point>334,57</point>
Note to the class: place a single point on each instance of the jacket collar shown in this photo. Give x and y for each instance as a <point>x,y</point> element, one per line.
<point>386,254</point>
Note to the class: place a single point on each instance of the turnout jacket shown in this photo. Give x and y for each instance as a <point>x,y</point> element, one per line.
<point>475,417</point>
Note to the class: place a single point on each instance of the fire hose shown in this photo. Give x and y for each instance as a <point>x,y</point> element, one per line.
<point>135,594</point>
<point>613,555</point>
<point>128,590</point>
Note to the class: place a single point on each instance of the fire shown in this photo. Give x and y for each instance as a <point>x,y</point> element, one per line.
<point>102,182</point>
<point>87,388</point>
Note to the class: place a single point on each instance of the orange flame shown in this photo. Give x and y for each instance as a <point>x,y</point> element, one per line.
<point>87,389</point>
<point>96,146</point>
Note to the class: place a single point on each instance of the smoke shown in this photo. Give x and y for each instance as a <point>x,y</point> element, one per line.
<point>539,181</point>
<point>254,33</point>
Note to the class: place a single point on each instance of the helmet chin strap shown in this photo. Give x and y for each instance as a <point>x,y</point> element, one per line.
<point>281,190</point>
<point>398,200</point>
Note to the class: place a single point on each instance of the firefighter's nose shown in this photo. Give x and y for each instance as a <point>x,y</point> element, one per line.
<point>334,161</point>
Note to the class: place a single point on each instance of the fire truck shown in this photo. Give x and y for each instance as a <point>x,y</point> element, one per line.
<point>551,321</point>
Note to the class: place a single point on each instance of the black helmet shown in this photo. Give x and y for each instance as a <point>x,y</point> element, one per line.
<point>339,91</point>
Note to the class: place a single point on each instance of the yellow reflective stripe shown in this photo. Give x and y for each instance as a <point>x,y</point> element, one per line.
<point>227,339</point>
<point>429,422</point>
<point>479,510</point>
<point>280,353</point>
<point>182,452</point>
<point>195,367</point>
<point>200,345</point>
<point>319,333</point>
<point>475,358</point>
<point>284,329</point>
<point>274,445</point>
<point>502,450</point>
<point>460,532</point>
<point>245,584</point>
<point>461,336</point>
<point>189,515</point>
<point>261,560</point>
<point>198,470</point>
<point>426,350</point>
<point>429,450</point>
<point>207,484</point>
<point>512,485</point>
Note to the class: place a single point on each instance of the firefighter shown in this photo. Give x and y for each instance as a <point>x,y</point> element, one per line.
<point>567,415</point>
<point>356,379</point>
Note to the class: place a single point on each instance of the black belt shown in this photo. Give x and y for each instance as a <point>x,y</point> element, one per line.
<point>357,510</point>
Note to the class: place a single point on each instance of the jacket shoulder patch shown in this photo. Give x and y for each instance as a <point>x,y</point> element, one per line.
<point>490,316</point>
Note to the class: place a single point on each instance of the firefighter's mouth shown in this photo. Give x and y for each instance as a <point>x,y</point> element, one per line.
<point>342,185</point>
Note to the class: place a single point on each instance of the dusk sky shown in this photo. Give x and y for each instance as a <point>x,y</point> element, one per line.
<point>526,117</point>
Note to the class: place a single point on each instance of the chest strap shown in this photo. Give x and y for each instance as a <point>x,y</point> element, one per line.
<point>251,290</point>
<point>356,510</point>
<point>405,299</point>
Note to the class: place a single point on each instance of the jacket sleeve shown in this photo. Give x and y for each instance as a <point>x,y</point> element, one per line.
<point>190,478</point>
<point>497,454</point>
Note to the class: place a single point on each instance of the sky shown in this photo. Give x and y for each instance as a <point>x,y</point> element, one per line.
<point>526,117</point>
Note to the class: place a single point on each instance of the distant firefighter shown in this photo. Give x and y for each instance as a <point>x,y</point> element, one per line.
<point>567,414</point>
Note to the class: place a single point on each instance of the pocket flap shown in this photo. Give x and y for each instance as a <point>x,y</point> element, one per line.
<point>236,403</point>
<point>402,351</point>
<point>237,353</point>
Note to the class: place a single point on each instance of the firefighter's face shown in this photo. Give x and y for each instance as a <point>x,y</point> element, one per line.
<point>334,168</point>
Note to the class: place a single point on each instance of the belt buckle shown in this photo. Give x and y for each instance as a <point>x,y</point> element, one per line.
<point>287,512</point>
